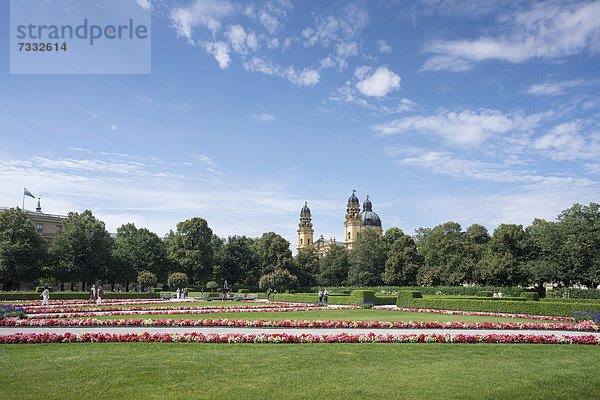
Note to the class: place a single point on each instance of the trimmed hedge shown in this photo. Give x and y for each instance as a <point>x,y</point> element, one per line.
<point>409,294</point>
<point>531,296</point>
<point>570,293</point>
<point>357,297</point>
<point>243,290</point>
<point>501,306</point>
<point>512,291</point>
<point>485,293</point>
<point>503,298</point>
<point>363,296</point>
<point>76,295</point>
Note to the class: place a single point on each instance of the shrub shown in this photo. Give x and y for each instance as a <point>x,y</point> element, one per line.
<point>531,296</point>
<point>280,279</point>
<point>177,280</point>
<point>409,294</point>
<point>363,296</point>
<point>146,278</point>
<point>156,290</point>
<point>243,290</point>
<point>501,306</point>
<point>211,285</point>
<point>40,289</point>
<point>485,293</point>
<point>570,293</point>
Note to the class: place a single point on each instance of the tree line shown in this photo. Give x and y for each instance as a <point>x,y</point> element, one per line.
<point>565,251</point>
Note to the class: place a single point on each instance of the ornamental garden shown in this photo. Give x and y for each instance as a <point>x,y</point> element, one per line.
<point>391,325</point>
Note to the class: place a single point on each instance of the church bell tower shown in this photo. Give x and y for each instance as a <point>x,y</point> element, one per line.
<point>305,231</point>
<point>353,221</point>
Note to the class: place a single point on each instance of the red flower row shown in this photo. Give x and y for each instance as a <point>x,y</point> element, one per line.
<point>285,338</point>
<point>588,326</point>
<point>477,313</point>
<point>174,312</point>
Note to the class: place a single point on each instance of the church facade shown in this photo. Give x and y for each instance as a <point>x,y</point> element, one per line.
<point>355,221</point>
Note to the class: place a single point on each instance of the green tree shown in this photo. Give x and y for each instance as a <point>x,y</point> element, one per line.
<point>546,263</point>
<point>580,230</point>
<point>177,280</point>
<point>146,278</point>
<point>307,263</point>
<point>391,236</point>
<point>367,260</point>
<point>402,262</point>
<point>136,250</point>
<point>445,260</point>
<point>81,251</point>
<point>190,248</point>
<point>280,280</point>
<point>506,257</point>
<point>238,261</point>
<point>21,248</point>
<point>273,252</point>
<point>333,268</point>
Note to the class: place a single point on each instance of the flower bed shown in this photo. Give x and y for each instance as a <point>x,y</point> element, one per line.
<point>179,312</point>
<point>476,313</point>
<point>101,309</point>
<point>32,338</point>
<point>587,326</point>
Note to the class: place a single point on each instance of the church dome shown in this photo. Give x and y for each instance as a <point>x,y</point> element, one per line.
<point>353,199</point>
<point>305,210</point>
<point>368,217</point>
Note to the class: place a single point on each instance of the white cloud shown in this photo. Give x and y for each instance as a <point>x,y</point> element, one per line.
<point>380,83</point>
<point>145,4</point>
<point>241,41</point>
<point>567,142</point>
<point>265,117</point>
<point>383,47</point>
<point>553,88</point>
<point>207,13</point>
<point>462,128</point>
<point>546,31</point>
<point>205,159</point>
<point>306,77</point>
<point>113,127</point>
<point>220,50</point>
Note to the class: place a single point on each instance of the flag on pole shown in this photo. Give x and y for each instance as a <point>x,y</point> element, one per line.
<point>27,193</point>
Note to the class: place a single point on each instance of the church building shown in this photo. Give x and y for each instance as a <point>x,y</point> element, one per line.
<point>355,221</point>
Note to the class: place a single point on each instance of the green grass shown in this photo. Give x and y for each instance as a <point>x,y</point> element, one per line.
<point>311,371</point>
<point>330,314</point>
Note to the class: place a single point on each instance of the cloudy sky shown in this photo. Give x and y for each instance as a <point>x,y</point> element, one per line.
<point>471,111</point>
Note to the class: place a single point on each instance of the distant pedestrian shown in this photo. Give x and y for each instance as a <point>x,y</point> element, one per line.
<point>269,293</point>
<point>100,294</point>
<point>320,295</point>
<point>326,295</point>
<point>178,293</point>
<point>45,296</point>
<point>185,292</point>
<point>92,294</point>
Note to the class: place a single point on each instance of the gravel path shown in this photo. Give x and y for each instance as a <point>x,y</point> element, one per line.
<point>290,331</point>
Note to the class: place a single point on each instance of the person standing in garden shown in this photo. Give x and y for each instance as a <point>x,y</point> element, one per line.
<point>92,294</point>
<point>178,293</point>
<point>326,295</point>
<point>320,295</point>
<point>100,294</point>
<point>45,296</point>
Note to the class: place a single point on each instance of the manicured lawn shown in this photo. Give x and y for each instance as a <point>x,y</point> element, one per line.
<point>330,314</point>
<point>310,371</point>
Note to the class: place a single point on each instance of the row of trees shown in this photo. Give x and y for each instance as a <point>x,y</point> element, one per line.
<point>565,251</point>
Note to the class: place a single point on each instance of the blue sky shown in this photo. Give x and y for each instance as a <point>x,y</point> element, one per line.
<point>471,111</point>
